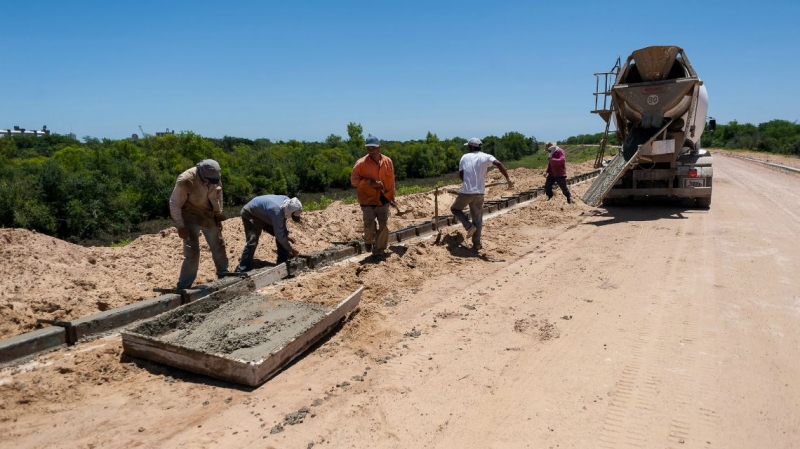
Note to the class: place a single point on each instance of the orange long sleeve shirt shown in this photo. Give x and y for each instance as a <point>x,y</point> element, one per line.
<point>367,170</point>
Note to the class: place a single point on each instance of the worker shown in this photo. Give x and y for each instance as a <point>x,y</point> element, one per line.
<point>373,178</point>
<point>195,206</point>
<point>556,171</point>
<point>269,213</point>
<point>472,171</point>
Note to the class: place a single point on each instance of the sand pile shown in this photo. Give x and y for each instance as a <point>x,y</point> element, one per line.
<point>47,278</point>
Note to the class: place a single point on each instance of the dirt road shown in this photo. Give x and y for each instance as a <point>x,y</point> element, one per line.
<point>652,326</point>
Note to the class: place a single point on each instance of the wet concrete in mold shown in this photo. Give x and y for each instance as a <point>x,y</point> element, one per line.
<point>248,327</point>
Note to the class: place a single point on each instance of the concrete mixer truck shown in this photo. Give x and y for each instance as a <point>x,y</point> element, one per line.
<point>658,105</point>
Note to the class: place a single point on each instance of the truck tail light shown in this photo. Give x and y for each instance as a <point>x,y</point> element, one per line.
<point>693,172</point>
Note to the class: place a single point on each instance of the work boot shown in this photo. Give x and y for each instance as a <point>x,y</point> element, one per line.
<point>368,247</point>
<point>471,231</point>
<point>569,200</point>
<point>379,256</point>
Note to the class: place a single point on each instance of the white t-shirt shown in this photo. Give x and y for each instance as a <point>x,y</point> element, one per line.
<point>474,165</point>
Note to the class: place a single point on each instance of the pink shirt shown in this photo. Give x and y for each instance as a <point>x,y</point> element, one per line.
<point>557,163</point>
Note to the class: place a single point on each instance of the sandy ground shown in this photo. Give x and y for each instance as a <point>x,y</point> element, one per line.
<point>48,278</point>
<point>651,326</point>
<point>789,161</point>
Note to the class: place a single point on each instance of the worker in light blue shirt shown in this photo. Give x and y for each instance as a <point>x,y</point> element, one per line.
<point>269,213</point>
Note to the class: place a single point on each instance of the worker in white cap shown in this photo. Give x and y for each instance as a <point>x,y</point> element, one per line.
<point>472,171</point>
<point>269,213</point>
<point>195,206</point>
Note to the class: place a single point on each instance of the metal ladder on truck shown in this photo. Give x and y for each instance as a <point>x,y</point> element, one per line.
<point>607,110</point>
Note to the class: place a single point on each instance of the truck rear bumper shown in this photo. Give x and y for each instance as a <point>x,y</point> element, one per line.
<point>696,192</point>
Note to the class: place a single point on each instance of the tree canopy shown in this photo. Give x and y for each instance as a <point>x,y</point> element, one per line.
<point>774,136</point>
<point>77,190</point>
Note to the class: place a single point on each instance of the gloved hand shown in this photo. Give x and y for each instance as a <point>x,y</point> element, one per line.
<point>183,233</point>
<point>295,253</point>
<point>290,239</point>
<point>510,184</point>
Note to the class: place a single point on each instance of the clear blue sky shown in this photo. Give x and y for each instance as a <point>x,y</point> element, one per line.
<point>304,69</point>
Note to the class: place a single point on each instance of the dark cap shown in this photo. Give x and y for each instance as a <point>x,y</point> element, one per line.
<point>372,141</point>
<point>208,169</point>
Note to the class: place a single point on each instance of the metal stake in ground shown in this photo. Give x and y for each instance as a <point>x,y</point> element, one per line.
<point>436,208</point>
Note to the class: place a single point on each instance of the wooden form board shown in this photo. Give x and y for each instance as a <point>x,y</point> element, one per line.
<point>220,366</point>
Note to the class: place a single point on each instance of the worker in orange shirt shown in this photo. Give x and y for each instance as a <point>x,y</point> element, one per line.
<point>373,178</point>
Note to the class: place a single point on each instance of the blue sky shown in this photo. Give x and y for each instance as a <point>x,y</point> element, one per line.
<point>304,69</point>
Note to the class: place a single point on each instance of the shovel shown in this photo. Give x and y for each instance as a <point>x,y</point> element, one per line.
<point>499,183</point>
<point>397,208</point>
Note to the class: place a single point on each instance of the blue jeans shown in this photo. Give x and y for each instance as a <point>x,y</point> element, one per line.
<point>191,252</point>
<point>252,232</point>
<point>475,203</point>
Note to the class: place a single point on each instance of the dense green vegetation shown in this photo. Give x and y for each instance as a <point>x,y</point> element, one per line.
<point>590,139</point>
<point>103,188</point>
<point>775,136</point>
<point>80,190</point>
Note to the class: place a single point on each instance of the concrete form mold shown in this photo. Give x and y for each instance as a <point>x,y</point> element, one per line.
<point>111,319</point>
<point>31,343</point>
<point>425,228</point>
<point>407,233</point>
<point>242,339</point>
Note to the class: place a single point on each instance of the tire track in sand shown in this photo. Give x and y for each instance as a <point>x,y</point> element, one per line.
<point>661,396</point>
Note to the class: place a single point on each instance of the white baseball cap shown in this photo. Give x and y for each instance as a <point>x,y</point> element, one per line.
<point>474,142</point>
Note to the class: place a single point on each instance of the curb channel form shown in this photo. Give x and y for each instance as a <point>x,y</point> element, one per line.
<point>67,333</point>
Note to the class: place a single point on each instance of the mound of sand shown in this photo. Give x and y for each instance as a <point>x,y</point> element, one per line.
<point>47,278</point>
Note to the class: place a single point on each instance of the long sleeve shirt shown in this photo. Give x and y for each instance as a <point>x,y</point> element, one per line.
<point>267,208</point>
<point>557,164</point>
<point>367,170</point>
<point>195,201</point>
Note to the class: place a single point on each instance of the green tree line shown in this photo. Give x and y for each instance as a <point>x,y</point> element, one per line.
<point>775,136</point>
<point>79,190</point>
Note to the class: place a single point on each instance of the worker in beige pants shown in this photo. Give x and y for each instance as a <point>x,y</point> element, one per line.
<point>373,178</point>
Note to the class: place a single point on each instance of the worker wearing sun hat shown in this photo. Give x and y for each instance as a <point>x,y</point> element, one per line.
<point>556,171</point>
<point>472,171</point>
<point>269,213</point>
<point>195,206</point>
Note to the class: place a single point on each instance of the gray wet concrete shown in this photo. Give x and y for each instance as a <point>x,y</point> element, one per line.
<point>248,327</point>
<point>594,195</point>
